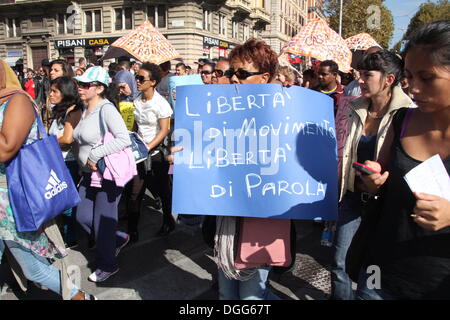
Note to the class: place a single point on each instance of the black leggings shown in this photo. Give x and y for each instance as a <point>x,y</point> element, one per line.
<point>159,182</point>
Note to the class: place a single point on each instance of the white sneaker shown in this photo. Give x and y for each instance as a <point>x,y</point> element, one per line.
<point>100,275</point>
<point>124,236</point>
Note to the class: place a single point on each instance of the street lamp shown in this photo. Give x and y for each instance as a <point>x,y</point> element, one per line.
<point>340,20</point>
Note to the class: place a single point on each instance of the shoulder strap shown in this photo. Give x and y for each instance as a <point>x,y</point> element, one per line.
<point>397,121</point>
<point>40,126</point>
<point>406,122</point>
<point>103,125</point>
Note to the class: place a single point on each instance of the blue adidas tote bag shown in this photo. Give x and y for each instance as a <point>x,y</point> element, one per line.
<point>39,184</point>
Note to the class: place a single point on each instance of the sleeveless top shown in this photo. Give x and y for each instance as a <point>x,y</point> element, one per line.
<point>36,241</point>
<point>414,262</point>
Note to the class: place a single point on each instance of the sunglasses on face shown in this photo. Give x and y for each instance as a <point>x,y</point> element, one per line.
<point>142,79</point>
<point>86,85</point>
<point>241,74</point>
<point>206,72</point>
<point>220,73</point>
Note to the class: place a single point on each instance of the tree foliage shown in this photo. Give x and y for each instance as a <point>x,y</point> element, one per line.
<point>428,12</point>
<point>358,16</point>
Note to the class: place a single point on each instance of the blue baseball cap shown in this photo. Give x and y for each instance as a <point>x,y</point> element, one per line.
<point>94,74</point>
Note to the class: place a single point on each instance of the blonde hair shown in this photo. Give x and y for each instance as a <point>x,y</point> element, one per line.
<point>287,73</point>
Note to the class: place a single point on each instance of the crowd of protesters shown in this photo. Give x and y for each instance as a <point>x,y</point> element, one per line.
<point>398,117</point>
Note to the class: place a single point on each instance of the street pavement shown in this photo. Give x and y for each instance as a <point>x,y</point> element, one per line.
<point>180,267</point>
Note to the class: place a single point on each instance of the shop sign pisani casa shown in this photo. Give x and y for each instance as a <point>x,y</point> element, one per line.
<point>85,43</point>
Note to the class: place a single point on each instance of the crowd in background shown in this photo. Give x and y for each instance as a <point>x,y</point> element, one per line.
<point>399,117</point>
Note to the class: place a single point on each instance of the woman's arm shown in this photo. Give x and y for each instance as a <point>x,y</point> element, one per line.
<point>71,122</point>
<point>17,122</point>
<point>164,126</point>
<point>117,127</point>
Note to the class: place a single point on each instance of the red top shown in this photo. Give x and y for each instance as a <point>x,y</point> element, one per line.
<point>29,88</point>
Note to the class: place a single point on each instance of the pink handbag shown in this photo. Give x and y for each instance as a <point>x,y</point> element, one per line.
<point>264,242</point>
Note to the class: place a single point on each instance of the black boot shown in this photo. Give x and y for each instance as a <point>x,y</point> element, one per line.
<point>168,225</point>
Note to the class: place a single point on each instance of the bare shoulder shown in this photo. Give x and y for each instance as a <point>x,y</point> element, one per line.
<point>20,101</point>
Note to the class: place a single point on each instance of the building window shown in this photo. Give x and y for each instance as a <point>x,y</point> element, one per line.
<point>235,29</point>
<point>93,19</point>
<point>222,24</point>
<point>157,15</point>
<point>37,22</point>
<point>13,28</point>
<point>207,17</point>
<point>62,25</point>
<point>246,32</point>
<point>124,18</point>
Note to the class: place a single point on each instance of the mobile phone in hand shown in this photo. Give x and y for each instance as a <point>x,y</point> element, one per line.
<point>363,168</point>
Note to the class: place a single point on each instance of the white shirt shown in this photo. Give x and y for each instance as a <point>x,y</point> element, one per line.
<point>147,114</point>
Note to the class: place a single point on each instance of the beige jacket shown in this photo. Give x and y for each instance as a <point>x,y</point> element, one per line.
<point>356,120</point>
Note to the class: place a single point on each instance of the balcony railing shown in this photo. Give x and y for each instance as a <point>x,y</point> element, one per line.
<point>240,5</point>
<point>260,14</point>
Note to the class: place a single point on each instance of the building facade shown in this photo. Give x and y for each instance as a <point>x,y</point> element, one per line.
<point>38,29</point>
<point>287,17</point>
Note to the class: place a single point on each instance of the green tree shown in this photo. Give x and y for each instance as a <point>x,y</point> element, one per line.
<point>362,16</point>
<point>428,12</point>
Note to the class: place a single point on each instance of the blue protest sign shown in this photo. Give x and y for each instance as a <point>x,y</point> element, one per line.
<point>259,150</point>
<point>176,81</point>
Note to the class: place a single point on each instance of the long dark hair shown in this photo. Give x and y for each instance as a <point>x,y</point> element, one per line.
<point>435,38</point>
<point>69,90</point>
<point>384,61</point>
<point>66,67</point>
<point>111,93</point>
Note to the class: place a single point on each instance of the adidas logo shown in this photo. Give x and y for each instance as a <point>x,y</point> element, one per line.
<point>54,186</point>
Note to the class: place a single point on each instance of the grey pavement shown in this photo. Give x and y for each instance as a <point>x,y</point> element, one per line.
<point>181,267</point>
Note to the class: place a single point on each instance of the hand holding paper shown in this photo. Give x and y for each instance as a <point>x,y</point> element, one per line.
<point>431,186</point>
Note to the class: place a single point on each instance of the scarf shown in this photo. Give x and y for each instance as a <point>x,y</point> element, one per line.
<point>224,249</point>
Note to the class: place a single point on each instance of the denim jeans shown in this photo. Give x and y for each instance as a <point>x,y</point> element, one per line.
<point>253,289</point>
<point>349,219</point>
<point>69,216</point>
<point>35,268</point>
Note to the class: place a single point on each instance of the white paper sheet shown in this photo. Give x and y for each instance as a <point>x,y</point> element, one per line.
<point>430,177</point>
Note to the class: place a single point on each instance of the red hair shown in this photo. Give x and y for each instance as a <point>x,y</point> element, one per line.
<point>259,53</point>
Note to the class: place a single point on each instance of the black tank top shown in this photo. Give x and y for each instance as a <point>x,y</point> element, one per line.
<point>414,262</point>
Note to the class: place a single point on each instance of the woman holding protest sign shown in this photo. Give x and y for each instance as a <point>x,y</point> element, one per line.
<point>251,63</point>
<point>369,118</point>
<point>30,253</point>
<point>410,243</point>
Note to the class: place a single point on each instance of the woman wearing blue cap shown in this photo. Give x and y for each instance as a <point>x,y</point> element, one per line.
<point>97,211</point>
